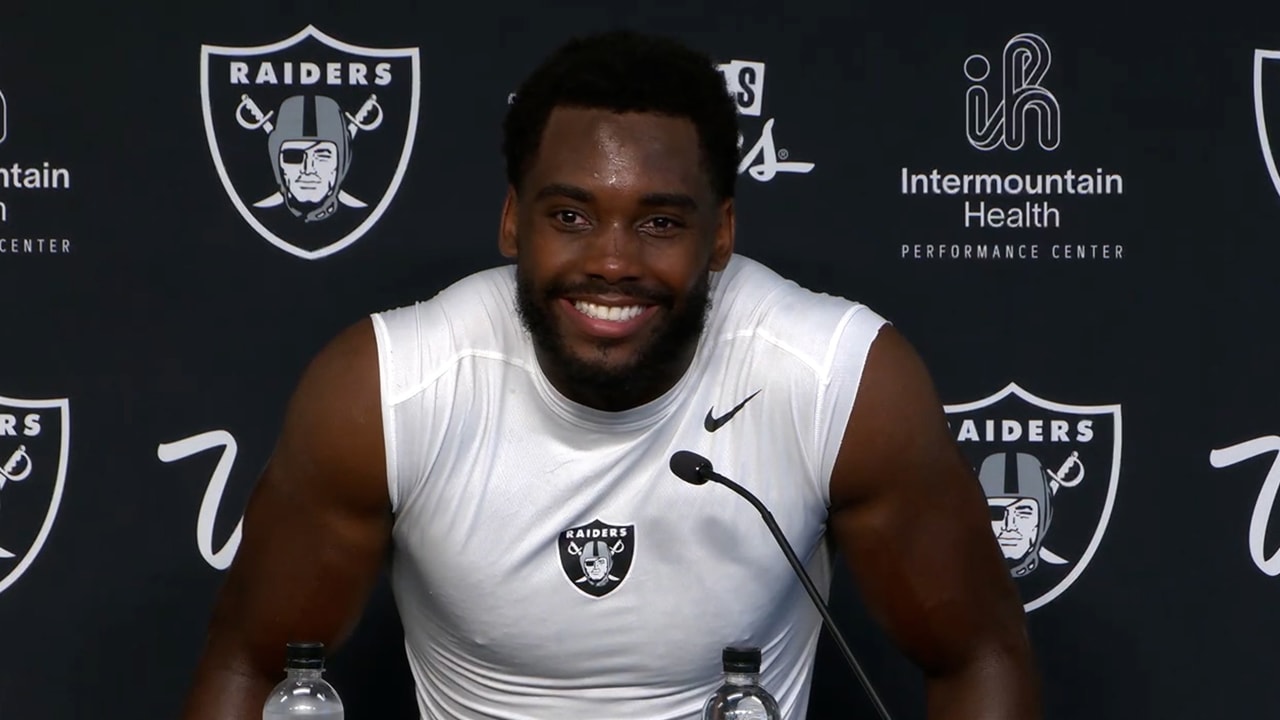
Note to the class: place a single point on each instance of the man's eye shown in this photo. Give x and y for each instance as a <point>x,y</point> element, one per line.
<point>568,217</point>
<point>665,223</point>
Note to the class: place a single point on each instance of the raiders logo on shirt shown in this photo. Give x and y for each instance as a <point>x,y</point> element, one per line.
<point>597,556</point>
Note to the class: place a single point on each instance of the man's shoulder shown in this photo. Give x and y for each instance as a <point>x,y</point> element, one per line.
<point>476,313</point>
<point>759,303</point>
<point>479,291</point>
<point>478,308</point>
<point>751,291</point>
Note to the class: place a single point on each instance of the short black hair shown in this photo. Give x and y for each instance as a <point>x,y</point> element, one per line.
<point>627,71</point>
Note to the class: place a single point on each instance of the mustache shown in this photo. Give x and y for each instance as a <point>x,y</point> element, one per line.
<point>657,296</point>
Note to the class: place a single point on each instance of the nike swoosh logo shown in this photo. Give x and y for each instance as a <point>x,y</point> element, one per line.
<point>713,423</point>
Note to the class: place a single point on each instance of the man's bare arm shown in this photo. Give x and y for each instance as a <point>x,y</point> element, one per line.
<point>912,520</point>
<point>315,534</point>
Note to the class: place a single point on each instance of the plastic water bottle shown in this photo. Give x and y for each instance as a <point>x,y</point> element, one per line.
<point>741,697</point>
<point>303,693</point>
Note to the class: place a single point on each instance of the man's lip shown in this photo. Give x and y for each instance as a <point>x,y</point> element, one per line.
<point>610,329</point>
<point>610,300</point>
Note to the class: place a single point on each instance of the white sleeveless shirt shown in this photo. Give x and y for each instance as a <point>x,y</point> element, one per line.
<point>547,563</point>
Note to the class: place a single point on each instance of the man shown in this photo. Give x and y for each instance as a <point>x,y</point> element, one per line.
<point>1020,494</point>
<point>310,154</point>
<point>493,435</point>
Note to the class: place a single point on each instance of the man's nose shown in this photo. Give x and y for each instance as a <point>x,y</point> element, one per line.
<point>614,253</point>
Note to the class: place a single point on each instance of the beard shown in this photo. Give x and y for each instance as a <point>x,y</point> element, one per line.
<point>659,360</point>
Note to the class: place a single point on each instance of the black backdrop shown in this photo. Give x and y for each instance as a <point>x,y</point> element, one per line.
<point>165,315</point>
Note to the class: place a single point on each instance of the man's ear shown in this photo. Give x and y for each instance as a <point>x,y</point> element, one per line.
<point>722,249</point>
<point>507,244</point>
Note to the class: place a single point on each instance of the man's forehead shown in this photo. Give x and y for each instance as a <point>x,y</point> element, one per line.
<point>588,147</point>
<point>567,122</point>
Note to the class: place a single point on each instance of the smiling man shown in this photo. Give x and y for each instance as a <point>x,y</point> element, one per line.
<point>507,441</point>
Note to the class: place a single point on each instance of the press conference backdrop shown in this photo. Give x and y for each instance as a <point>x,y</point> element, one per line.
<point>1073,214</point>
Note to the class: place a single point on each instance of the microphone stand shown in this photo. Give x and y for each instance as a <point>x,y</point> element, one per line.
<point>808,585</point>
<point>697,470</point>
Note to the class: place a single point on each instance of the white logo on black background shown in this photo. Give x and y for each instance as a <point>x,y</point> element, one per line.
<point>1024,63</point>
<point>29,179</point>
<point>745,82</point>
<point>1006,206</point>
<point>311,136</point>
<point>181,449</point>
<point>596,557</point>
<point>34,440</point>
<point>1262,509</point>
<point>1266,71</point>
<point>1049,471</point>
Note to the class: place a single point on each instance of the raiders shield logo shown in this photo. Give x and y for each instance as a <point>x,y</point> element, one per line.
<point>310,135</point>
<point>1266,103</point>
<point>597,556</point>
<point>1049,471</point>
<point>34,438</point>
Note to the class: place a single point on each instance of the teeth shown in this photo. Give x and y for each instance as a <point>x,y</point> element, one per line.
<point>606,312</point>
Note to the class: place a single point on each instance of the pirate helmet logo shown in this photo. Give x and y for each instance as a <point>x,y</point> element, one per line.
<point>596,557</point>
<point>1031,457</point>
<point>310,136</point>
<point>1020,493</point>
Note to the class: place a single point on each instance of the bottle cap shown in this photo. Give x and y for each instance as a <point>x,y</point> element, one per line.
<point>741,659</point>
<point>304,655</point>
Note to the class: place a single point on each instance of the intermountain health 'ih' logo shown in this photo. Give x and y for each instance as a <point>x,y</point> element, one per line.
<point>1023,106</point>
<point>596,557</point>
<point>34,437</point>
<point>1049,471</point>
<point>310,135</point>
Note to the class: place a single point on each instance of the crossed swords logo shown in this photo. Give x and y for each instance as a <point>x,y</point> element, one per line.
<point>15,469</point>
<point>576,551</point>
<point>250,117</point>
<point>1059,480</point>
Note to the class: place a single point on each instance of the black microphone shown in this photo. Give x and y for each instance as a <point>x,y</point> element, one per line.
<point>697,470</point>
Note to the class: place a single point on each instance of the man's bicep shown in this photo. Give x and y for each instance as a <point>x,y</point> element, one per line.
<point>911,519</point>
<point>318,522</point>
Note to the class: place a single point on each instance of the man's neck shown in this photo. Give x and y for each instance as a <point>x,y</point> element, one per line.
<point>639,389</point>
